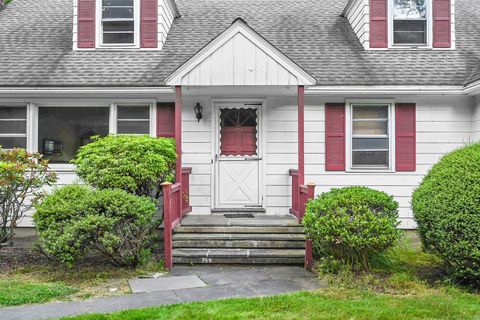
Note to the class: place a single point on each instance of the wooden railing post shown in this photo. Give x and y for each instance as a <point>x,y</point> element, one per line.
<point>167,225</point>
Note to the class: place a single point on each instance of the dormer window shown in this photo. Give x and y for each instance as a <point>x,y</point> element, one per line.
<point>118,23</point>
<point>410,22</point>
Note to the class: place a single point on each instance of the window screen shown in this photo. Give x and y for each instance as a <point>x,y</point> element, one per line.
<point>118,22</point>
<point>133,119</point>
<point>13,127</point>
<point>370,136</point>
<point>410,22</point>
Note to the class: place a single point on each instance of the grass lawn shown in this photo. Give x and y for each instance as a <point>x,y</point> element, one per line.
<point>324,304</point>
<point>44,282</point>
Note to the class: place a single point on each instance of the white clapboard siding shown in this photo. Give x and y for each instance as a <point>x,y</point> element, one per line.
<point>357,13</point>
<point>476,120</point>
<point>443,124</point>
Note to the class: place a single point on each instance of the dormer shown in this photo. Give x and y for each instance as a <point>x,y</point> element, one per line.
<point>403,24</point>
<point>122,24</point>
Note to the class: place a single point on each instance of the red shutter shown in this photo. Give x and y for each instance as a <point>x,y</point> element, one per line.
<point>335,137</point>
<point>378,24</point>
<point>86,24</point>
<point>441,23</point>
<point>405,137</point>
<point>148,24</point>
<point>166,120</point>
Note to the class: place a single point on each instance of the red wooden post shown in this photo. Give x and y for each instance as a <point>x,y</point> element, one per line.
<point>178,137</point>
<point>167,225</point>
<point>301,135</point>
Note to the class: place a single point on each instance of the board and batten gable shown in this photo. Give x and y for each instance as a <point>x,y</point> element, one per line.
<point>166,13</point>
<point>359,15</point>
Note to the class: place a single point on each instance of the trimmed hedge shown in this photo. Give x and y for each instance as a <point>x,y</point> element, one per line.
<point>446,206</point>
<point>352,224</point>
<point>75,221</point>
<point>136,164</point>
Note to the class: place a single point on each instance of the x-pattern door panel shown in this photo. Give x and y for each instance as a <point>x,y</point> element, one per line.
<point>238,164</point>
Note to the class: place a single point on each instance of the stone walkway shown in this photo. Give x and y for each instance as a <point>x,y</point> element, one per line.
<point>221,282</point>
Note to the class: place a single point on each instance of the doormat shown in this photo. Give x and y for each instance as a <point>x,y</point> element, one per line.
<point>238,215</point>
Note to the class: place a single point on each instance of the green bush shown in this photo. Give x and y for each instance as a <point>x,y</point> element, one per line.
<point>446,206</point>
<point>352,224</point>
<point>75,221</point>
<point>136,164</point>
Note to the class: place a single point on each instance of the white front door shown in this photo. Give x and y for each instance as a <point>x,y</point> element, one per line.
<point>238,159</point>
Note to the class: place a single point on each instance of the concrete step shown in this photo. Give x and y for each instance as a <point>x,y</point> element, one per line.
<point>240,236</point>
<point>239,229</point>
<point>238,253</point>
<point>239,260</point>
<point>201,243</point>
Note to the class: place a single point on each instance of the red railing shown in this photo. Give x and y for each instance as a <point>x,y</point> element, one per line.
<point>186,190</point>
<point>300,196</point>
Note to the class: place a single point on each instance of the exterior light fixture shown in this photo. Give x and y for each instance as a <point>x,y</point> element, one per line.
<point>198,111</point>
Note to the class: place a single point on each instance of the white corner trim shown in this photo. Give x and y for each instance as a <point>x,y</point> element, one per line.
<point>240,26</point>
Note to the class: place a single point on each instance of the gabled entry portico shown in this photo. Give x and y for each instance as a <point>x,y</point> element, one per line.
<point>237,71</point>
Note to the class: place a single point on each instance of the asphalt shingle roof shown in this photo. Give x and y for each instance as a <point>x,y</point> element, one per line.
<point>36,45</point>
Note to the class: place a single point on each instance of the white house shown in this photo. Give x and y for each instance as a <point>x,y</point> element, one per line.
<point>359,92</point>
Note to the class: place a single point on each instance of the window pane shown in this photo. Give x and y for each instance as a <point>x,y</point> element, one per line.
<point>413,32</point>
<point>13,127</point>
<point>13,113</point>
<point>13,142</point>
<point>369,144</point>
<point>124,112</point>
<point>118,3</point>
<point>61,131</point>
<point>133,127</point>
<point>118,38</point>
<point>410,9</point>
<point>370,112</point>
<point>118,26</point>
<point>368,127</point>
<point>370,158</point>
<point>117,13</point>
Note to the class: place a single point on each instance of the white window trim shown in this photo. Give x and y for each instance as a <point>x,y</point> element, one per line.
<point>429,35</point>
<point>152,113</point>
<point>99,28</point>
<point>27,124</point>
<point>391,134</point>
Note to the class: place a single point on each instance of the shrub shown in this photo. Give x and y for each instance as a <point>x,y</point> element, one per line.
<point>76,220</point>
<point>22,177</point>
<point>136,164</point>
<point>446,206</point>
<point>352,224</point>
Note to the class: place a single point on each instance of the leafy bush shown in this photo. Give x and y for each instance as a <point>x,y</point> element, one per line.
<point>76,220</point>
<point>136,164</point>
<point>352,224</point>
<point>446,206</point>
<point>22,177</point>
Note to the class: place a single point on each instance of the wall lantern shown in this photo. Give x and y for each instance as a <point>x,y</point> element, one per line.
<point>198,111</point>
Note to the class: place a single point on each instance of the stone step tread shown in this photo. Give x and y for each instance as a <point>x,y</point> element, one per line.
<point>240,236</point>
<point>234,252</point>
<point>239,260</point>
<point>238,229</point>
<point>237,244</point>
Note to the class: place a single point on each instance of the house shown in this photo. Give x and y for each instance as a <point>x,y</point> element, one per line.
<point>345,92</point>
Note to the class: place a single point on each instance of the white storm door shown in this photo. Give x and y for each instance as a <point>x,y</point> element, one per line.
<point>238,160</point>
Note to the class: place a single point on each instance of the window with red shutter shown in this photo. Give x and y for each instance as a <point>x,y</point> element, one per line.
<point>335,137</point>
<point>405,136</point>
<point>166,119</point>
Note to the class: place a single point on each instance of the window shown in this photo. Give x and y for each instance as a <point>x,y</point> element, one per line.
<point>62,130</point>
<point>118,22</point>
<point>133,119</point>
<point>238,132</point>
<point>370,142</point>
<point>13,127</point>
<point>410,22</point>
